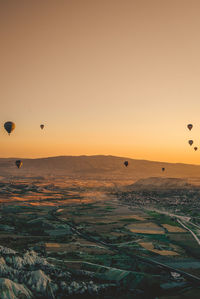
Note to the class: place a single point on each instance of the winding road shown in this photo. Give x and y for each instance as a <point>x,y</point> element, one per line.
<point>180,219</point>
<point>190,277</point>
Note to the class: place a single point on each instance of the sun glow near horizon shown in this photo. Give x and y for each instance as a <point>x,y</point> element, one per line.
<point>105,77</point>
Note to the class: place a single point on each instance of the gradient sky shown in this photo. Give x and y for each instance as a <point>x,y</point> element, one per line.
<point>119,77</point>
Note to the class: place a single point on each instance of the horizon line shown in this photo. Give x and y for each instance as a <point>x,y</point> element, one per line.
<point>99,155</point>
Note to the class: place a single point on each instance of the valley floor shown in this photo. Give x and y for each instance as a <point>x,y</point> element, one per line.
<point>89,238</point>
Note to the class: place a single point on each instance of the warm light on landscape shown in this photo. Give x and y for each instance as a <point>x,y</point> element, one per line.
<point>99,149</point>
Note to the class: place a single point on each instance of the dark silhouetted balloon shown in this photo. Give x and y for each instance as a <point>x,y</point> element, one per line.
<point>9,126</point>
<point>190,142</point>
<point>190,126</point>
<point>19,163</point>
<point>42,127</point>
<point>195,148</point>
<point>163,169</point>
<point>126,163</point>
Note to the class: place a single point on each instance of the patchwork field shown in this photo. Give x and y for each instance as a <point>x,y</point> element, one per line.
<point>173,229</point>
<point>146,228</point>
<point>149,246</point>
<point>73,222</point>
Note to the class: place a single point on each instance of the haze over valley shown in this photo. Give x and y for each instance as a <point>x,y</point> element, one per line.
<point>99,149</point>
<point>105,229</point>
<point>97,166</point>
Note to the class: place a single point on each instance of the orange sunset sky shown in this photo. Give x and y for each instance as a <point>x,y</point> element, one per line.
<point>119,77</point>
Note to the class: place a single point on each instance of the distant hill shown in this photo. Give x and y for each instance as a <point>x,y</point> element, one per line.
<point>158,183</point>
<point>97,167</point>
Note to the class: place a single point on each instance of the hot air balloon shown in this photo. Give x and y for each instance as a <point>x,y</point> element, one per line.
<point>126,163</point>
<point>9,126</point>
<point>42,127</point>
<point>19,163</point>
<point>190,142</point>
<point>163,169</point>
<point>190,126</point>
<point>195,148</point>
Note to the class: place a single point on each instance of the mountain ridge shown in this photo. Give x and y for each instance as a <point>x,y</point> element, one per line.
<point>97,166</point>
<point>95,156</point>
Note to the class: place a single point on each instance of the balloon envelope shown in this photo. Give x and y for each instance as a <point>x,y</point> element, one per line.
<point>190,142</point>
<point>126,163</point>
<point>195,148</point>
<point>190,126</point>
<point>19,163</point>
<point>9,126</point>
<point>42,127</point>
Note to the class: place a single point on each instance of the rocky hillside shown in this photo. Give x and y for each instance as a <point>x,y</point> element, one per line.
<point>30,276</point>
